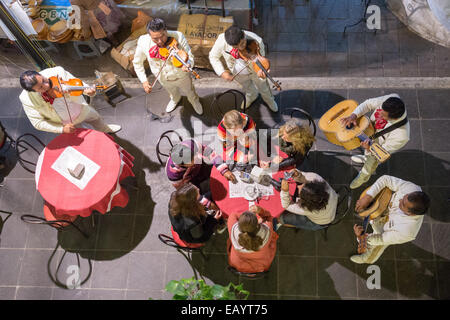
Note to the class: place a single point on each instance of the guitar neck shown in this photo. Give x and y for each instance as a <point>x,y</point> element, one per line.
<point>365,224</point>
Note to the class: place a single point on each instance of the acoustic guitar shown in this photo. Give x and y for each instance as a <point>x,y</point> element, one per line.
<point>350,137</point>
<point>375,209</point>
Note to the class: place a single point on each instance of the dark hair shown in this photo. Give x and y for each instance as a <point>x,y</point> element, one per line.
<point>394,107</point>
<point>233,35</point>
<point>28,79</point>
<point>184,152</point>
<point>249,227</point>
<point>421,202</point>
<point>184,202</point>
<point>314,195</point>
<point>156,24</point>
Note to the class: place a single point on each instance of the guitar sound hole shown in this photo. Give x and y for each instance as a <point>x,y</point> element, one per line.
<point>349,126</point>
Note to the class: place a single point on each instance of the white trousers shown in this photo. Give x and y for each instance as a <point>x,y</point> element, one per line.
<point>184,84</point>
<point>92,117</point>
<point>253,85</point>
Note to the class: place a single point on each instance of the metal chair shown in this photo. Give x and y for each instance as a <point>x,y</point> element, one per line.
<point>343,207</point>
<point>159,153</point>
<point>60,224</point>
<point>185,251</point>
<point>23,143</point>
<point>251,276</point>
<point>2,222</point>
<point>218,99</point>
<point>307,115</point>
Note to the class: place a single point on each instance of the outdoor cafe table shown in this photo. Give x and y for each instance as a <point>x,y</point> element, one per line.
<point>219,186</point>
<point>102,192</point>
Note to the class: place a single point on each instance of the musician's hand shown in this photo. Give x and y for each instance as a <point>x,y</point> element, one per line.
<point>184,68</point>
<point>261,74</point>
<point>284,185</point>
<point>349,120</point>
<point>89,92</point>
<point>69,128</point>
<point>363,203</point>
<point>227,76</point>
<point>366,144</point>
<point>147,87</point>
<point>230,176</point>
<point>358,230</point>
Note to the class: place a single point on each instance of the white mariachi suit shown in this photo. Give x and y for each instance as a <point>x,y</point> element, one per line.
<point>49,117</point>
<point>392,141</point>
<point>396,227</point>
<point>248,79</point>
<point>171,77</point>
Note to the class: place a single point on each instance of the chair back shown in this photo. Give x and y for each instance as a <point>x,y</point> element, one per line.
<point>160,153</point>
<point>23,144</point>
<point>57,224</point>
<point>251,276</point>
<point>222,101</point>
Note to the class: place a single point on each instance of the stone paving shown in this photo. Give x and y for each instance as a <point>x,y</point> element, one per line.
<point>129,262</point>
<point>123,258</point>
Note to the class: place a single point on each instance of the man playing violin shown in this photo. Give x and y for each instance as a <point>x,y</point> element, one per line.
<point>402,222</point>
<point>230,46</point>
<point>386,111</point>
<point>47,110</point>
<point>171,78</point>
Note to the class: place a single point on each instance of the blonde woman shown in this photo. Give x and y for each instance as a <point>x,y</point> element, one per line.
<point>294,140</point>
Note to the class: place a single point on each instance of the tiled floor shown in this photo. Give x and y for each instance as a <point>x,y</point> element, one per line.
<point>304,38</point>
<point>129,262</point>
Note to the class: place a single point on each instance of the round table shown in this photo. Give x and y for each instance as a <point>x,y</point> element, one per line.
<point>219,186</point>
<point>102,192</point>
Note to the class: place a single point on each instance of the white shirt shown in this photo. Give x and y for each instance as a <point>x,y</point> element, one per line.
<point>323,216</point>
<point>169,72</point>
<point>399,228</point>
<point>263,233</point>
<point>394,140</point>
<point>51,117</point>
<point>220,49</point>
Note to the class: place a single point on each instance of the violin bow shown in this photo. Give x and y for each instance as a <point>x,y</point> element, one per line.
<point>65,101</point>
<point>159,72</point>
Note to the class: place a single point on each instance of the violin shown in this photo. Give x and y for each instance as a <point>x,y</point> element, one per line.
<point>74,86</point>
<point>252,53</point>
<point>179,57</point>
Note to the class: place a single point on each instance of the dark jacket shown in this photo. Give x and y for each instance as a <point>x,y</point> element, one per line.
<point>193,231</point>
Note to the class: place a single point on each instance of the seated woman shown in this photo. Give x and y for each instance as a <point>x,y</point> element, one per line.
<point>189,218</point>
<point>295,141</point>
<point>315,206</point>
<point>237,132</point>
<point>190,161</point>
<point>252,243</point>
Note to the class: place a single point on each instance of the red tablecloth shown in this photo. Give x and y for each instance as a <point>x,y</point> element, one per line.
<point>103,191</point>
<point>220,186</point>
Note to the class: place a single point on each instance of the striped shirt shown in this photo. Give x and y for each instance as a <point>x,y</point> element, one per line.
<point>232,146</point>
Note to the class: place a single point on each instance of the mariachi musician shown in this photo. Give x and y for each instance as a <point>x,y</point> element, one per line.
<point>50,111</point>
<point>387,112</point>
<point>171,77</point>
<point>402,222</point>
<point>230,46</point>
